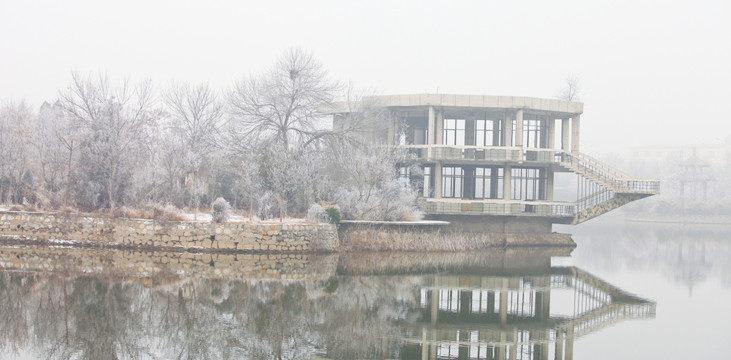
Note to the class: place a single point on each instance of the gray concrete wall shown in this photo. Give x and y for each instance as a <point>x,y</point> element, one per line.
<point>496,224</point>
<point>382,237</point>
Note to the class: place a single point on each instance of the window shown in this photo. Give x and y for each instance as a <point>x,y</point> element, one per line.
<point>532,133</point>
<point>487,132</point>
<point>528,184</point>
<point>488,183</point>
<point>452,182</point>
<point>453,132</point>
<point>427,190</point>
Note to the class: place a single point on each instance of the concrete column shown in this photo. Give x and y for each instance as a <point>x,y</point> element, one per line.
<point>437,181</point>
<point>565,133</point>
<point>501,349</point>
<point>508,129</point>
<point>569,343</point>
<point>560,337</point>
<point>575,125</point>
<point>551,133</point>
<point>506,182</point>
<point>503,307</point>
<point>434,302</point>
<point>519,128</point>
<point>440,127</point>
<point>496,132</point>
<point>469,131</point>
<point>424,349</point>
<point>493,183</point>
<point>549,184</point>
<point>392,136</point>
<point>431,126</point>
<point>468,182</point>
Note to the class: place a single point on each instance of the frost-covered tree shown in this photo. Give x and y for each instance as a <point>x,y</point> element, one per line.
<point>195,116</point>
<point>364,182</point>
<point>283,105</point>
<point>16,162</point>
<point>115,123</point>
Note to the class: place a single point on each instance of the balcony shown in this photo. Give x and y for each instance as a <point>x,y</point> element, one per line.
<point>499,208</point>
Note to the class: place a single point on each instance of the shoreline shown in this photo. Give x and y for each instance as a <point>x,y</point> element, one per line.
<point>89,231</point>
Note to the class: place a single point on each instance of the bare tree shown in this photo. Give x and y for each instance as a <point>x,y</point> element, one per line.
<point>571,89</point>
<point>195,113</point>
<point>16,134</point>
<point>115,123</point>
<point>283,104</point>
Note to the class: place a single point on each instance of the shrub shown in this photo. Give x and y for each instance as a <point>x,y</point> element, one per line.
<point>220,210</point>
<point>316,213</point>
<point>333,214</point>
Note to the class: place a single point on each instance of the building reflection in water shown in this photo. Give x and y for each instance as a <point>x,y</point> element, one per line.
<point>502,304</point>
<point>511,317</point>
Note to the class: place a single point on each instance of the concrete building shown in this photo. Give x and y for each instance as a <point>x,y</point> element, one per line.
<point>489,161</point>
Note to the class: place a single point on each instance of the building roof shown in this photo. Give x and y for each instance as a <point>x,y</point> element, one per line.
<point>461,101</point>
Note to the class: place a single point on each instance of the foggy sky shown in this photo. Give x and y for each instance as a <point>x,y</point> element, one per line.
<point>652,72</point>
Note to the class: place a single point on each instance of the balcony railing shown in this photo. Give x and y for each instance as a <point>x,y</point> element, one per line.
<point>498,207</point>
<point>476,153</point>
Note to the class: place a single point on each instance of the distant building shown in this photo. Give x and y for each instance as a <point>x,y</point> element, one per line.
<point>489,161</point>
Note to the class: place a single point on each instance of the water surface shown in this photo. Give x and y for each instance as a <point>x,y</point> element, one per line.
<point>626,292</point>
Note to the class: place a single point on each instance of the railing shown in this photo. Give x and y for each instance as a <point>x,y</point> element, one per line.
<point>607,175</point>
<point>498,207</point>
<point>477,153</point>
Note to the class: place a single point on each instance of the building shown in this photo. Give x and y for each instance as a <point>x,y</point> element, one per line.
<point>489,161</point>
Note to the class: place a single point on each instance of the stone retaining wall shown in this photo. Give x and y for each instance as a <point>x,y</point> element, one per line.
<point>161,267</point>
<point>139,233</point>
<point>435,237</point>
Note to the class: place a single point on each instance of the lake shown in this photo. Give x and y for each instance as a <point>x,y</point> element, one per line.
<point>628,291</point>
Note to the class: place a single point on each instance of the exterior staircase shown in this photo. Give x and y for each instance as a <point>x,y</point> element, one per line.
<point>605,188</point>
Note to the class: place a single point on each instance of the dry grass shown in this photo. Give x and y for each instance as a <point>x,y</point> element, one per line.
<point>153,212</point>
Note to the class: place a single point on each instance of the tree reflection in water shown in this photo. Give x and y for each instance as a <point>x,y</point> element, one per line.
<point>367,307</point>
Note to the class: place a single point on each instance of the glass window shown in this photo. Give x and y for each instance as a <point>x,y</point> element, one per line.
<point>488,183</point>
<point>453,133</point>
<point>528,184</point>
<point>452,182</point>
<point>487,132</point>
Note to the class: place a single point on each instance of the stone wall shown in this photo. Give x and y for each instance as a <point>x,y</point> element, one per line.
<point>171,235</point>
<point>161,267</point>
<point>437,237</point>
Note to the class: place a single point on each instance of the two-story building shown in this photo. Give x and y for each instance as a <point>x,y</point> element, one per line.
<point>489,161</point>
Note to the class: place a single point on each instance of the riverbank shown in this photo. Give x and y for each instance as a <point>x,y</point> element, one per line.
<point>86,230</point>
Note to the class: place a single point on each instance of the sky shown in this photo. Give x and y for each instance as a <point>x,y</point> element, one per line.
<point>650,72</point>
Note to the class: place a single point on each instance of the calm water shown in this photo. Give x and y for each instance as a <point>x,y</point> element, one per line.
<point>626,292</point>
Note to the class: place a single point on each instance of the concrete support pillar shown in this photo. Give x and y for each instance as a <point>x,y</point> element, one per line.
<point>503,307</point>
<point>550,133</point>
<point>469,132</point>
<point>440,127</point>
<point>575,125</point>
<point>508,129</point>
<point>496,132</point>
<point>431,127</point>
<point>569,343</point>
<point>434,302</point>
<point>560,337</point>
<point>493,183</point>
<point>468,182</point>
<point>549,184</point>
<point>506,181</point>
<point>437,181</point>
<point>565,134</point>
<point>424,349</point>
<point>501,349</point>
<point>519,128</point>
